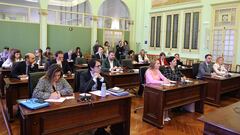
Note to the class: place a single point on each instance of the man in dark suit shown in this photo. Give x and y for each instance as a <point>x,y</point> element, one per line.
<point>91,79</point>
<point>111,63</point>
<point>21,69</point>
<point>100,55</point>
<point>59,60</point>
<point>206,67</point>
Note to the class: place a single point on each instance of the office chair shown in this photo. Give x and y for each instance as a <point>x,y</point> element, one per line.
<point>195,67</point>
<point>127,63</point>
<point>80,61</point>
<point>33,80</point>
<point>142,71</point>
<point>77,79</point>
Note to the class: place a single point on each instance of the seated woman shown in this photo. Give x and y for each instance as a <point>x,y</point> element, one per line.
<point>142,57</point>
<point>172,72</point>
<point>15,56</point>
<point>219,67</point>
<point>153,74</point>
<point>162,59</point>
<point>52,85</point>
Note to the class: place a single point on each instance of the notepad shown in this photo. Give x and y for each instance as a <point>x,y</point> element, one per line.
<point>33,103</point>
<point>60,100</point>
<point>168,84</point>
<point>98,93</point>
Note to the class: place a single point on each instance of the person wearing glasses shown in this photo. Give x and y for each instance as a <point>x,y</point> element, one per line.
<point>91,79</point>
<point>52,85</point>
<point>206,67</point>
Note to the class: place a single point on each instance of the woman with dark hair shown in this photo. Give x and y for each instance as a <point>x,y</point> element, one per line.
<point>15,56</point>
<point>126,47</point>
<point>106,47</point>
<point>39,58</point>
<point>77,54</point>
<point>162,59</point>
<point>52,85</point>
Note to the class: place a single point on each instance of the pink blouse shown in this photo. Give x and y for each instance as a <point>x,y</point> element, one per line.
<point>154,78</point>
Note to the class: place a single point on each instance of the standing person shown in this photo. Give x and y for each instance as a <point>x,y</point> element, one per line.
<point>52,85</point>
<point>106,47</point>
<point>126,47</point>
<point>119,50</point>
<point>15,56</point>
<point>206,67</point>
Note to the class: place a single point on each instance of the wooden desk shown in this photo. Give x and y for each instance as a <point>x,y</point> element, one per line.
<point>123,80</point>
<point>72,116</point>
<point>224,121</point>
<point>18,89</point>
<point>138,65</point>
<point>218,86</point>
<point>159,98</point>
<point>3,73</point>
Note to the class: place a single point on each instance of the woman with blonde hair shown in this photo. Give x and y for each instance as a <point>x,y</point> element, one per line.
<point>219,67</point>
<point>153,74</point>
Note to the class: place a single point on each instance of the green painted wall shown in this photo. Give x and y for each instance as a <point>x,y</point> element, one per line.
<point>61,38</point>
<point>100,36</point>
<point>127,35</point>
<point>23,36</point>
<point>143,26</point>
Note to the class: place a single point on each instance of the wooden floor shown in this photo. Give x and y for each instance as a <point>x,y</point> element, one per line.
<point>182,123</point>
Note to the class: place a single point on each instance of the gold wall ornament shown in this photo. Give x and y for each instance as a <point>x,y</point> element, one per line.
<point>43,12</point>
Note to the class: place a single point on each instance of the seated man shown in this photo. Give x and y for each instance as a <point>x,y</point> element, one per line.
<point>206,67</point>
<point>110,63</point>
<point>100,55</point>
<point>23,68</point>
<point>60,61</point>
<point>177,58</point>
<point>172,72</point>
<point>91,79</point>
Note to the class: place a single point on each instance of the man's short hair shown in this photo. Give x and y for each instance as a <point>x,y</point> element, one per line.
<point>207,55</point>
<point>58,52</point>
<point>92,63</point>
<point>111,52</point>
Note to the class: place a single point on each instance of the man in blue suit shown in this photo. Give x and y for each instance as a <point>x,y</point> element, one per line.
<point>206,67</point>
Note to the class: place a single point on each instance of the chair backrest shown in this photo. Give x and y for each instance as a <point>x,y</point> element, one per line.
<point>80,61</point>
<point>195,67</point>
<point>127,63</point>
<point>33,80</point>
<point>136,57</point>
<point>77,79</point>
<point>142,71</point>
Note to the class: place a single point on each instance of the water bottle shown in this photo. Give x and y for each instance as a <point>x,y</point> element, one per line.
<point>103,90</point>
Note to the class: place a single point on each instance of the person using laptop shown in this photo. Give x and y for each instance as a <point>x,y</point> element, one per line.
<point>52,85</point>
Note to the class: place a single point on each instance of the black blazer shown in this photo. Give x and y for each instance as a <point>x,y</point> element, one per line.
<point>86,82</point>
<point>65,66</point>
<point>106,64</point>
<point>97,56</point>
<point>19,68</point>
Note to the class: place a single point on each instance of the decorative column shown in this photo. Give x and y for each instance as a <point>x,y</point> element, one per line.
<point>94,32</point>
<point>43,24</point>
